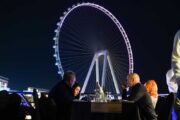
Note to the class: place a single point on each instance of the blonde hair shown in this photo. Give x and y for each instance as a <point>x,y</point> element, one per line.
<point>152,88</point>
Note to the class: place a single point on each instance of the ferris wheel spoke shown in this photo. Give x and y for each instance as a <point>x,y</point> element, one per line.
<point>77,31</point>
<point>74,57</point>
<point>75,38</point>
<point>115,44</point>
<point>75,54</point>
<point>76,50</point>
<point>80,63</point>
<point>72,44</point>
<point>81,60</point>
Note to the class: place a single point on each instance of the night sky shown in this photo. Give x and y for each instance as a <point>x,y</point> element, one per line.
<point>27,28</point>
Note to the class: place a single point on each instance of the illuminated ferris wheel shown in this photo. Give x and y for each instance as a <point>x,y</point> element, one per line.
<point>91,41</point>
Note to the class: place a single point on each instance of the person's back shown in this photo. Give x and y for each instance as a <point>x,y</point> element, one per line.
<point>63,96</point>
<point>4,96</point>
<point>144,102</point>
<point>61,93</point>
<point>47,108</point>
<point>14,107</point>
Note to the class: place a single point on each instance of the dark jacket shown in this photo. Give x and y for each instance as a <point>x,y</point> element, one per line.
<point>63,97</point>
<point>140,96</point>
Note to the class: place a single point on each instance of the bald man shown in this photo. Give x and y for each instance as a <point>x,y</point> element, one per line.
<point>139,95</point>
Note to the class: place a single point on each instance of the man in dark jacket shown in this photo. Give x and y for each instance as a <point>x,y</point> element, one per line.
<point>139,96</point>
<point>63,96</point>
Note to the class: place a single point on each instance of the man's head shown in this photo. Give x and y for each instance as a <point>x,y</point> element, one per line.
<point>69,78</point>
<point>133,79</point>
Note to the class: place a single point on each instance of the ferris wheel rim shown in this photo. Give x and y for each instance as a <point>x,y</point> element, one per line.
<point>105,11</point>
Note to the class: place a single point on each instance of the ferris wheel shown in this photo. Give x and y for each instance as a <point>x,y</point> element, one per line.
<point>91,41</point>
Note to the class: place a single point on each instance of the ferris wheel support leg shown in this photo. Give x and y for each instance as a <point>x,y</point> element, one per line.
<point>113,75</point>
<point>97,69</point>
<point>88,74</point>
<point>104,70</point>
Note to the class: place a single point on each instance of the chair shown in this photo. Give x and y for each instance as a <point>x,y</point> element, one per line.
<point>47,108</point>
<point>36,114</point>
<point>164,107</point>
<point>130,107</point>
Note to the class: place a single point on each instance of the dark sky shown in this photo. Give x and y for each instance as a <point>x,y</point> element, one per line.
<point>27,28</point>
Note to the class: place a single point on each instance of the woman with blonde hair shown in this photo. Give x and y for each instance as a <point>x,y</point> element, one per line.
<point>152,89</point>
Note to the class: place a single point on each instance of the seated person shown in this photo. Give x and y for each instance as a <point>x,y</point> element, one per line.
<point>152,89</point>
<point>62,95</point>
<point>140,96</point>
<point>76,90</point>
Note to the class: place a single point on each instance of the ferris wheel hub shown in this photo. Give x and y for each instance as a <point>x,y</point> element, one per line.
<point>101,52</point>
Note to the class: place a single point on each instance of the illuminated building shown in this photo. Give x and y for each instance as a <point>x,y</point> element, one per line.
<point>4,83</point>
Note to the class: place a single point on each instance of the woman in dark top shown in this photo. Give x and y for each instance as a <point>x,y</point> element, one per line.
<point>76,90</point>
